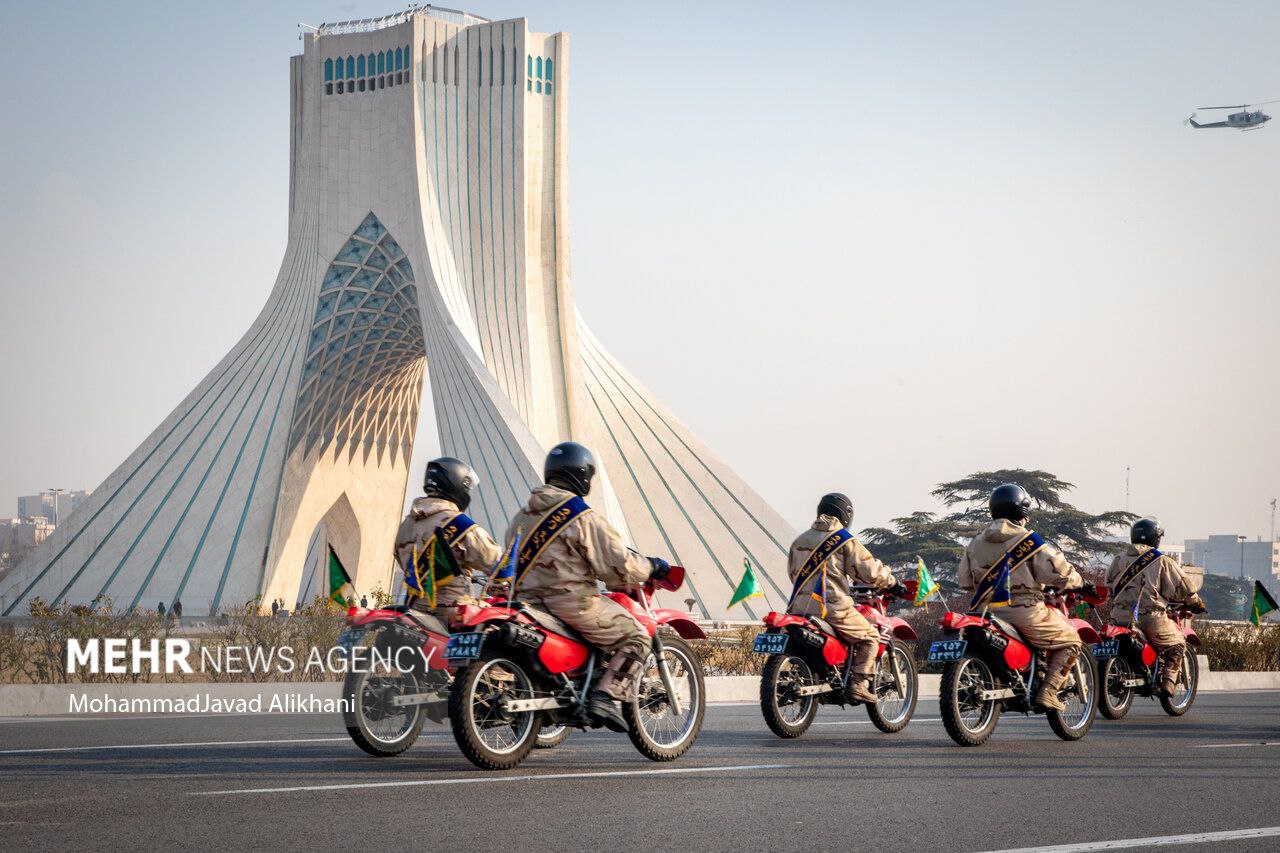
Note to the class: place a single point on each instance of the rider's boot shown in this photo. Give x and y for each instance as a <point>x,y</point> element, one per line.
<point>1055,673</point>
<point>859,689</point>
<point>611,689</point>
<point>1170,668</point>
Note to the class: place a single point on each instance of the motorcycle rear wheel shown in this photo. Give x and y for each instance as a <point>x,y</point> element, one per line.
<point>1185,688</point>
<point>968,719</point>
<point>1075,722</point>
<point>1115,698</point>
<point>892,711</point>
<point>380,729</point>
<point>655,730</point>
<point>786,716</point>
<point>479,724</point>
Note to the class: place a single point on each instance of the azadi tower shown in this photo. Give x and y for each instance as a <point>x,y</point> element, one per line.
<point>428,230</point>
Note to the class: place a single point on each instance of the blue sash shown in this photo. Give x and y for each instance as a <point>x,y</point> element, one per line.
<point>817,558</point>
<point>453,533</point>
<point>993,589</point>
<point>545,531</point>
<point>1145,559</point>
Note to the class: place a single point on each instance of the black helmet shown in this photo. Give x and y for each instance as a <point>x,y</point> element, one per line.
<point>838,506</point>
<point>1146,531</point>
<point>451,479</point>
<point>570,466</point>
<point>1010,501</point>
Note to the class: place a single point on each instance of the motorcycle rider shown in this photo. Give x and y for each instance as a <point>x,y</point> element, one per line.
<point>1040,626</point>
<point>562,577</point>
<point>846,561</point>
<point>1152,583</point>
<point>447,483</point>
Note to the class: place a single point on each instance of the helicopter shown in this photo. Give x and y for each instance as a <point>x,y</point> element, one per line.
<point>1245,120</point>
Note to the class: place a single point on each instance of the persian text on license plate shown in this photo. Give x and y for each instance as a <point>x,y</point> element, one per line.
<point>770,644</point>
<point>947,650</point>
<point>1107,648</point>
<point>464,646</point>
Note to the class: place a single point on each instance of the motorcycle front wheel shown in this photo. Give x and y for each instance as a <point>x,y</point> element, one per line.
<point>491,737</point>
<point>1080,694</point>
<point>786,714</point>
<point>894,707</point>
<point>968,718</point>
<point>1184,689</point>
<point>551,736</point>
<point>1115,698</point>
<point>656,728</point>
<point>374,723</point>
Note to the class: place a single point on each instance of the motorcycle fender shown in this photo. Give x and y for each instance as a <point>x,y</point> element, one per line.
<point>368,617</point>
<point>1088,634</point>
<point>629,604</point>
<point>1112,631</point>
<point>1190,633</point>
<point>434,651</point>
<point>834,652</point>
<point>956,621</point>
<point>1148,655</point>
<point>1017,656</point>
<point>473,617</point>
<point>680,622</point>
<point>561,654</point>
<point>782,620</point>
<point>901,629</point>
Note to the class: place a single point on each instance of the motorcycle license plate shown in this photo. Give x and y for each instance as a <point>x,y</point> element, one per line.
<point>1107,648</point>
<point>943,651</point>
<point>770,644</point>
<point>463,646</point>
<point>351,637</point>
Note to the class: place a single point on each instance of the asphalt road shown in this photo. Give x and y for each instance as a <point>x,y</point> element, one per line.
<point>165,783</point>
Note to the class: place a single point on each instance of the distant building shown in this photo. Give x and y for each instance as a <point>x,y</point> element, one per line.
<point>43,505</point>
<point>1221,554</point>
<point>19,537</point>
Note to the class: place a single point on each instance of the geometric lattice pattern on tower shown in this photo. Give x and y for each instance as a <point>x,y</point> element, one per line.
<point>363,370</point>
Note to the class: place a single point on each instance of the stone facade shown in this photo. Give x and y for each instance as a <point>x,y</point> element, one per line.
<point>428,228</point>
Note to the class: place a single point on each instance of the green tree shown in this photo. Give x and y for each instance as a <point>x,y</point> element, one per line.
<point>1082,536</point>
<point>939,539</point>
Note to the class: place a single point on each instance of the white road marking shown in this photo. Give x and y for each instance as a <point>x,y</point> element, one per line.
<point>868,722</point>
<point>475,779</point>
<point>1235,745</point>
<point>169,745</point>
<point>1153,841</point>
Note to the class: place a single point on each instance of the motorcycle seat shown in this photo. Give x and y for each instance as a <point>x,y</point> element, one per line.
<point>552,623</point>
<point>429,621</point>
<point>1008,629</point>
<point>824,625</point>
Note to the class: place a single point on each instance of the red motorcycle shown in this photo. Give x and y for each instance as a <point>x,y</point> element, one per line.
<point>1129,665</point>
<point>401,681</point>
<point>809,666</point>
<point>525,668</point>
<point>990,668</point>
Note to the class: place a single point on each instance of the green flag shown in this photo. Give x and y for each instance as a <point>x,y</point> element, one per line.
<point>341,590</point>
<point>925,584</point>
<point>435,567</point>
<point>1263,603</point>
<point>748,587</point>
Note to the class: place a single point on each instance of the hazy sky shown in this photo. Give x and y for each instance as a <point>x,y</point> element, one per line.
<point>979,233</point>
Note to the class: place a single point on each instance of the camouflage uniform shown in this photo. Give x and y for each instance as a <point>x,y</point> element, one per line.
<point>1041,627</point>
<point>476,552</point>
<point>564,578</point>
<point>1159,584</point>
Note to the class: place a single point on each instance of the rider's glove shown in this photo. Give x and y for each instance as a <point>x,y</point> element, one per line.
<point>1089,590</point>
<point>1196,604</point>
<point>899,591</point>
<point>660,569</point>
